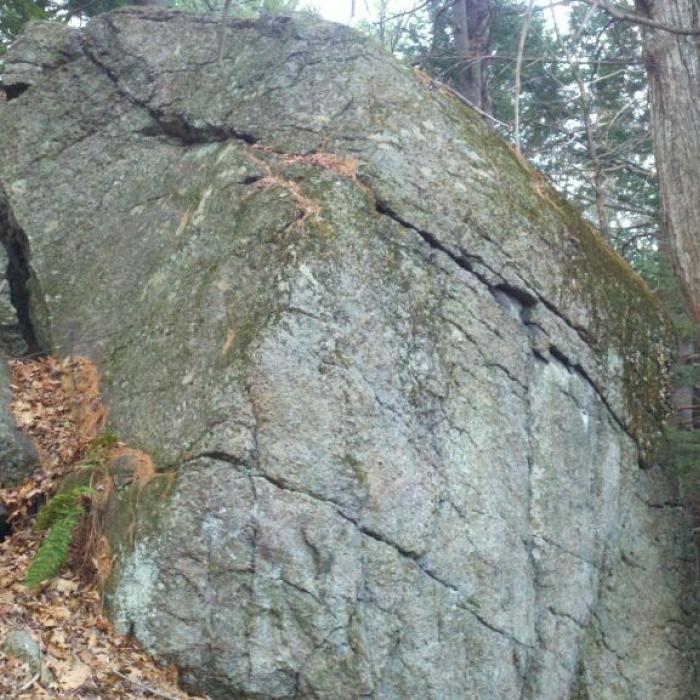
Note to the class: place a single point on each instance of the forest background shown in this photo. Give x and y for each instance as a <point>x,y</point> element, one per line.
<point>603,97</point>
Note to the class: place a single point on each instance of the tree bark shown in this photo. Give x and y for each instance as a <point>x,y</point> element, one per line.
<point>472,30</point>
<point>673,66</point>
<point>461,29</point>
<point>684,392</point>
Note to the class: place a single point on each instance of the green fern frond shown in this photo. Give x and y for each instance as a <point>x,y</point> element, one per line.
<point>101,443</point>
<point>96,453</point>
<point>60,506</point>
<point>91,464</point>
<point>53,553</point>
<point>61,514</point>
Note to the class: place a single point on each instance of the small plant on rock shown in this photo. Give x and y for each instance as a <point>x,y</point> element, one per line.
<point>60,516</point>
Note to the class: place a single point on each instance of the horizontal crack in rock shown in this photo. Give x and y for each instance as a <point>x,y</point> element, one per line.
<point>522,296</point>
<point>174,126</point>
<point>576,368</point>
<point>412,557</point>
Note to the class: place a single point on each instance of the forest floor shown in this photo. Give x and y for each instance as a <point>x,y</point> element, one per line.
<point>76,651</point>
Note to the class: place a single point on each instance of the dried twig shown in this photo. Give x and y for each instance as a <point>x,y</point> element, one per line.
<point>29,683</point>
<point>143,687</point>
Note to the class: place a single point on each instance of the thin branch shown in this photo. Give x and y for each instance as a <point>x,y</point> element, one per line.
<point>420,58</point>
<point>29,683</point>
<point>622,207</point>
<point>422,6</point>
<point>607,76</point>
<point>469,103</point>
<point>584,100</point>
<point>144,687</point>
<point>633,17</point>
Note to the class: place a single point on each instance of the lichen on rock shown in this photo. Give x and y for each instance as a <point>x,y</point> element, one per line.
<point>404,388</point>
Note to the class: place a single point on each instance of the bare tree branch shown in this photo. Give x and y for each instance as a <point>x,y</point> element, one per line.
<point>635,18</point>
<point>422,6</point>
<point>469,103</point>
<point>529,60</point>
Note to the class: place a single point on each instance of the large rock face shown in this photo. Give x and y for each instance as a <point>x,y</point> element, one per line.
<point>400,393</point>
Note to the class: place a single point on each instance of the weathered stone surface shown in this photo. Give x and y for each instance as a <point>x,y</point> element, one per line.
<point>21,644</point>
<point>47,46</point>
<point>18,458</point>
<point>405,410</point>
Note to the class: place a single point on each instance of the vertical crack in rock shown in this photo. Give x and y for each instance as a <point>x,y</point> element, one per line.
<point>24,287</point>
<point>250,622</point>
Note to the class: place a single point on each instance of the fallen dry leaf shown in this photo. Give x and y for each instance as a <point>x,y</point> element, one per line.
<point>65,585</point>
<point>57,405</point>
<point>71,674</point>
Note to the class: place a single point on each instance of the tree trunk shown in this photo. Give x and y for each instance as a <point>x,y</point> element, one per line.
<point>673,66</point>
<point>684,392</point>
<point>472,30</point>
<point>463,55</point>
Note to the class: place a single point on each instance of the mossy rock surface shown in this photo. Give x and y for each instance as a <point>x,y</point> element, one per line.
<point>403,388</point>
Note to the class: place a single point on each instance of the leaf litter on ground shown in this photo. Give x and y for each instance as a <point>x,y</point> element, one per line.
<point>56,403</point>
